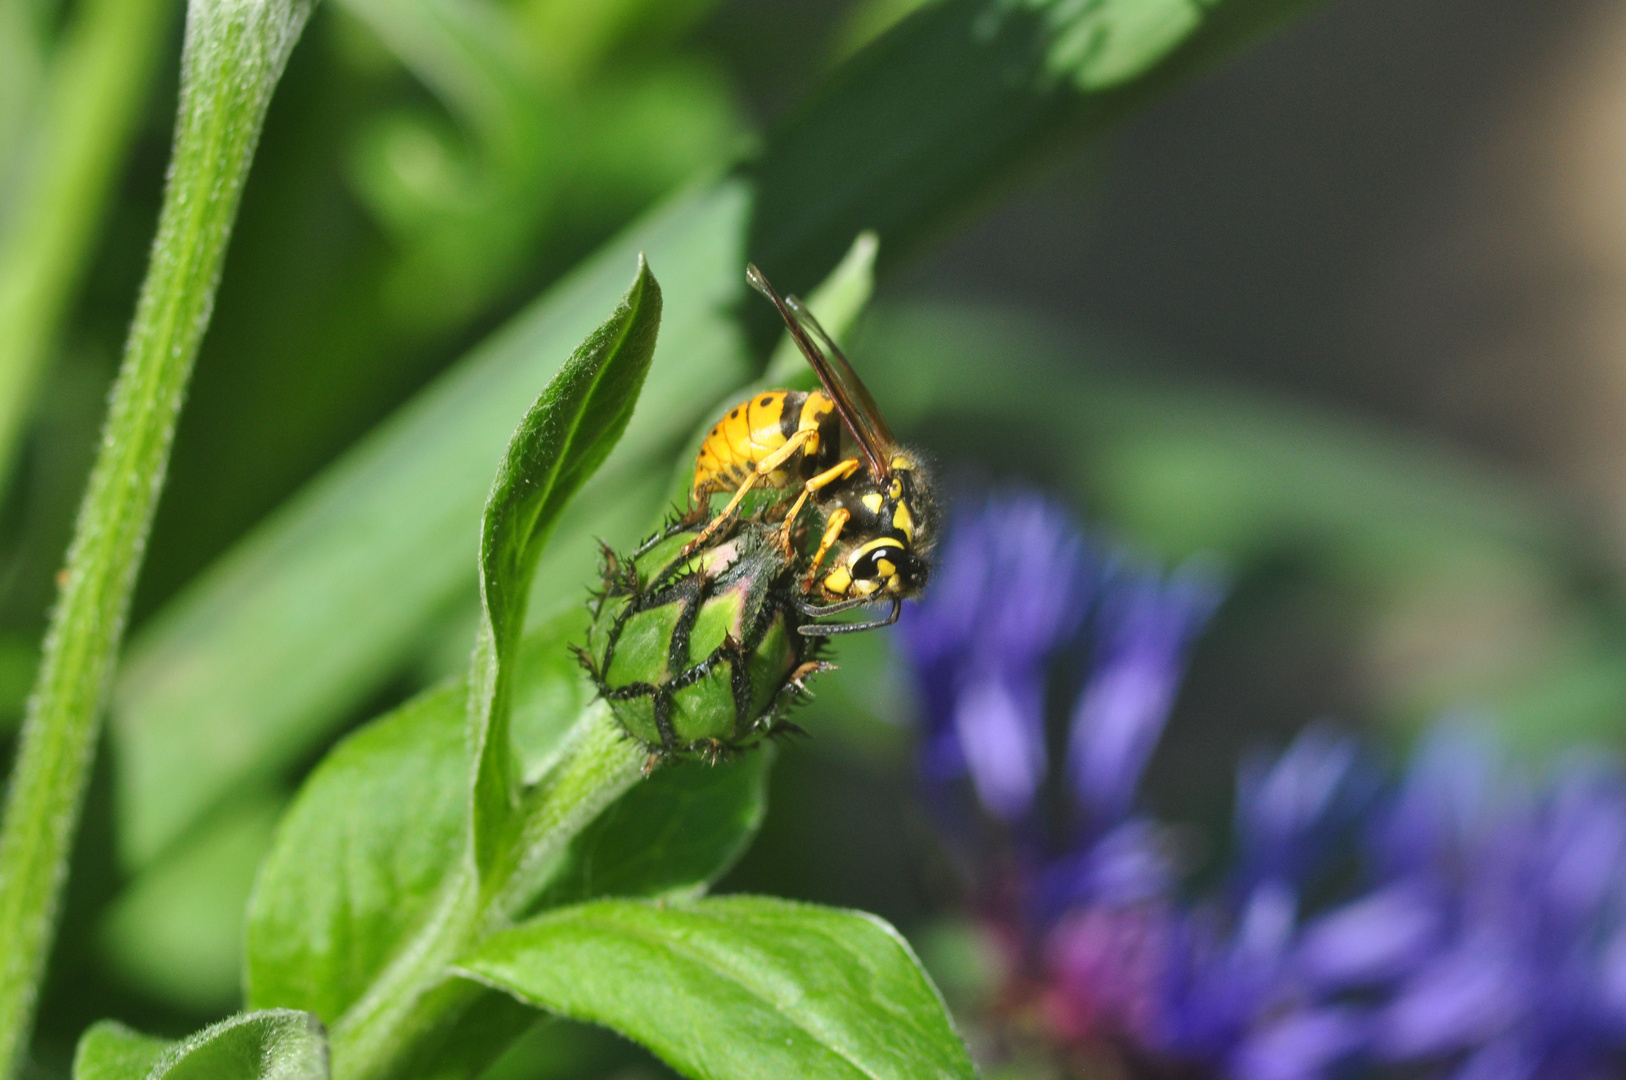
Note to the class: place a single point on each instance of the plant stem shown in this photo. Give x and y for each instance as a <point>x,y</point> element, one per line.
<point>234,53</point>
<point>417,996</point>
<point>92,100</point>
<point>601,763</point>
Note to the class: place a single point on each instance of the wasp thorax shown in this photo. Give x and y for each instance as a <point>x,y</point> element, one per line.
<point>699,653</point>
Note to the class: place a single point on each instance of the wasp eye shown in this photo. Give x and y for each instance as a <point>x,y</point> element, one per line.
<point>879,563</point>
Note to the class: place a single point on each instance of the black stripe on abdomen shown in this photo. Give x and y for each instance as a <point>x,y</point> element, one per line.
<point>790,413</point>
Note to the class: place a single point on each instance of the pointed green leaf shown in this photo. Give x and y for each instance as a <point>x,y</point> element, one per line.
<point>561,442</point>
<point>110,1051</point>
<point>360,858</point>
<point>736,988</point>
<point>673,834</point>
<point>277,1044</point>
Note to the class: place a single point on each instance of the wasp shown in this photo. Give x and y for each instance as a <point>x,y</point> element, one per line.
<point>879,517</point>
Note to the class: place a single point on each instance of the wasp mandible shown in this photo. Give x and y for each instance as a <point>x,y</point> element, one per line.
<point>879,517</point>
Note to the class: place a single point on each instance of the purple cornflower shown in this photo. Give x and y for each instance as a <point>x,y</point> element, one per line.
<point>1012,584</point>
<point>1016,581</point>
<point>1235,995</point>
<point>1526,979</point>
<point>1018,589</point>
<point>1481,934</point>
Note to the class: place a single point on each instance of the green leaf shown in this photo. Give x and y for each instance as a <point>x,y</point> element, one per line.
<point>561,442</point>
<point>740,987</point>
<point>233,57</point>
<point>368,892</point>
<point>672,835</point>
<point>360,858</point>
<point>369,860</point>
<point>415,1003</point>
<point>378,828</point>
<point>110,1051</point>
<point>1097,46</point>
<point>277,1044</point>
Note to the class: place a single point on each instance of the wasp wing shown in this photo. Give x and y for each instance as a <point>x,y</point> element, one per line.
<point>843,384</point>
<point>852,399</point>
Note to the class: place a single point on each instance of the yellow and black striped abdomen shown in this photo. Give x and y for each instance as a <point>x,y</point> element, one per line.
<point>754,429</point>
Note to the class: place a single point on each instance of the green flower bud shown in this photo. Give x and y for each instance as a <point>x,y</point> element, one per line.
<point>698,654</point>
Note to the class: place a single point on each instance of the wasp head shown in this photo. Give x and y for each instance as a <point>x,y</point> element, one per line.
<point>892,527</point>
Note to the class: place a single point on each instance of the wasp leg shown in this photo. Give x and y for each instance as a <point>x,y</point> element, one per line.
<point>827,629</point>
<point>819,611</point>
<point>764,467</point>
<point>839,471</point>
<point>838,519</point>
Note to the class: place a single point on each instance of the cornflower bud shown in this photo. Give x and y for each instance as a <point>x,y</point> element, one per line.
<point>700,653</point>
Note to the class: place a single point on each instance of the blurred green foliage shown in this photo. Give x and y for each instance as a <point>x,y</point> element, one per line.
<point>448,196</point>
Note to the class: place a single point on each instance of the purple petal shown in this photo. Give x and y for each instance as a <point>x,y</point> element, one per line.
<point>1144,627</point>
<point>1448,804</point>
<point>1288,812</point>
<point>1129,865</point>
<point>1465,998</point>
<point>1010,588</point>
<point>1265,929</point>
<point>1001,734</point>
<point>1376,938</point>
<point>1300,1046</point>
<point>1583,837</point>
<point>1504,1059</point>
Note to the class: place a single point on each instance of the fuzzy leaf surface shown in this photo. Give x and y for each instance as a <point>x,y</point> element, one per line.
<point>110,1051</point>
<point>276,1044</point>
<point>736,988</point>
<point>360,857</point>
<point>673,834</point>
<point>562,441</point>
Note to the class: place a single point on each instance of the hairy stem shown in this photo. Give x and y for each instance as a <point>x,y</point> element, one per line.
<point>234,54</point>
